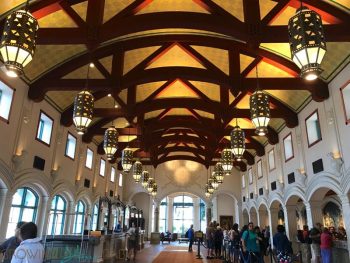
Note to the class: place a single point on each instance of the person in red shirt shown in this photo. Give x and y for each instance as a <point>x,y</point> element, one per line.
<point>326,246</point>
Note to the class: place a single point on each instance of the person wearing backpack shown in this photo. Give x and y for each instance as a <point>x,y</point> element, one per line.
<point>250,245</point>
<point>235,239</point>
<point>190,235</point>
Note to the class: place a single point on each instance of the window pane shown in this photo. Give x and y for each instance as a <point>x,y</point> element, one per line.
<point>44,128</point>
<point>120,180</point>
<point>313,128</point>
<point>49,228</point>
<point>113,174</point>
<point>260,174</point>
<point>288,147</point>
<point>6,95</point>
<point>70,146</point>
<point>61,204</point>
<point>102,167</point>
<point>17,197</point>
<point>28,215</point>
<point>188,199</point>
<point>89,157</point>
<point>30,199</point>
<point>272,160</point>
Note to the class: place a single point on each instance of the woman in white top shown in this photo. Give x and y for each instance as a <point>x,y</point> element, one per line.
<point>30,250</point>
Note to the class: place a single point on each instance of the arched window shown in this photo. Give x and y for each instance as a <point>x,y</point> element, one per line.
<point>183,213</point>
<point>79,218</point>
<point>163,214</point>
<point>57,216</point>
<point>24,208</point>
<point>94,217</point>
<point>202,216</point>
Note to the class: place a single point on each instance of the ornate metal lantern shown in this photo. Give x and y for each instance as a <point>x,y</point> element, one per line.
<point>207,193</point>
<point>150,185</point>
<point>110,142</point>
<point>219,173</point>
<point>210,186</point>
<point>226,161</point>
<point>145,178</point>
<point>260,111</point>
<point>137,171</point>
<point>307,42</point>
<point>18,45</point>
<point>154,190</point>
<point>83,111</point>
<point>214,181</point>
<point>127,155</point>
<point>238,142</point>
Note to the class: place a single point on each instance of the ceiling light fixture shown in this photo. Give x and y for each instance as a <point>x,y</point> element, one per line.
<point>237,142</point>
<point>219,172</point>
<point>110,142</point>
<point>127,155</point>
<point>227,160</point>
<point>307,42</point>
<point>18,41</point>
<point>145,178</point>
<point>137,171</point>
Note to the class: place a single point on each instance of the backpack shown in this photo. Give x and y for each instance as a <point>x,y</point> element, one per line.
<point>186,234</point>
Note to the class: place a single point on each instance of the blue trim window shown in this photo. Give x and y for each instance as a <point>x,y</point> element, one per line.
<point>79,218</point>
<point>44,128</point>
<point>94,218</point>
<point>57,216</point>
<point>24,208</point>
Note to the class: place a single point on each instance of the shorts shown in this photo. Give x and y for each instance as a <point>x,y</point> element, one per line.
<point>210,244</point>
<point>131,244</point>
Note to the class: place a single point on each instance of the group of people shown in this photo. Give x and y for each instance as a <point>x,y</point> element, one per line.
<point>24,246</point>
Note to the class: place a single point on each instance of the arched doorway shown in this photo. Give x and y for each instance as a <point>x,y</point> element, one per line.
<point>245,217</point>
<point>253,216</point>
<point>263,216</point>
<point>276,215</point>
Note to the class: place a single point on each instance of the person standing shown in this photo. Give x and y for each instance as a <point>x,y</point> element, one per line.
<point>282,245</point>
<point>8,247</point>
<point>250,245</point>
<point>315,235</point>
<point>326,246</point>
<point>30,250</point>
<point>234,243</point>
<point>209,233</point>
<point>218,239</point>
<point>190,236</point>
<point>132,241</point>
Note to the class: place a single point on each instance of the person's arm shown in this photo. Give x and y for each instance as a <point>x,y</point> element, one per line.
<point>243,239</point>
<point>4,245</point>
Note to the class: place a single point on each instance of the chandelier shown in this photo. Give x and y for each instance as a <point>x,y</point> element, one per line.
<point>307,42</point>
<point>127,155</point>
<point>259,109</point>
<point>238,142</point>
<point>219,173</point>
<point>226,160</point>
<point>110,142</point>
<point>214,181</point>
<point>145,178</point>
<point>150,185</point>
<point>154,190</point>
<point>137,171</point>
<point>210,186</point>
<point>17,46</point>
<point>207,193</point>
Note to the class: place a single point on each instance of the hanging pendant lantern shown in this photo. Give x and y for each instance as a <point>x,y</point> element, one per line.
<point>260,111</point>
<point>137,171</point>
<point>214,181</point>
<point>150,185</point>
<point>307,42</point>
<point>227,161</point>
<point>219,173</point>
<point>210,186</point>
<point>127,155</point>
<point>18,42</point>
<point>207,193</point>
<point>83,111</point>
<point>238,142</point>
<point>110,142</point>
<point>154,190</point>
<point>145,178</point>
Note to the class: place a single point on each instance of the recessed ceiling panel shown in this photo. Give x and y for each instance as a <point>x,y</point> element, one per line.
<point>266,6</point>
<point>219,57</point>
<point>133,57</point>
<point>235,7</point>
<point>81,73</point>
<point>177,90</point>
<point>107,63</point>
<point>62,99</point>
<point>292,98</point>
<point>113,7</point>
<point>211,90</point>
<point>57,19</point>
<point>245,61</point>
<point>172,5</point>
<point>81,9</point>
<point>153,114</point>
<point>267,70</point>
<point>143,91</point>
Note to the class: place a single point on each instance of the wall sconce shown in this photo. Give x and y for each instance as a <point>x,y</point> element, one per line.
<point>336,160</point>
<point>55,172</point>
<point>18,158</point>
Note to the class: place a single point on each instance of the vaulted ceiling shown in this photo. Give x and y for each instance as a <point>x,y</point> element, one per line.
<point>180,71</point>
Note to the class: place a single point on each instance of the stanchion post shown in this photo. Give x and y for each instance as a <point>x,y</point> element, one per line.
<point>199,249</point>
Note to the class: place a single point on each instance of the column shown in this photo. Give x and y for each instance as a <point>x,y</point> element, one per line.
<point>263,218</point>
<point>170,210</point>
<point>156,218</point>
<point>273,221</point>
<point>42,216</point>
<point>290,220</point>
<point>70,218</point>
<point>215,209</point>
<point>196,216</point>
<point>208,213</point>
<point>5,208</point>
<point>346,215</point>
<point>313,213</point>
<point>238,213</point>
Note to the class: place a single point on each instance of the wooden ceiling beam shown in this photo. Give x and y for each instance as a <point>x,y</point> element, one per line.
<point>94,20</point>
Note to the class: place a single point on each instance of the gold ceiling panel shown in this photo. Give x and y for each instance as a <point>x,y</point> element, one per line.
<point>81,9</point>
<point>245,61</point>
<point>113,7</point>
<point>276,123</point>
<point>144,90</point>
<point>260,139</point>
<point>343,3</point>
<point>7,5</point>
<point>211,90</point>
<point>337,53</point>
<point>243,123</point>
<point>205,114</point>
<point>81,73</point>
<point>177,90</point>
<point>57,19</point>
<point>118,123</point>
<point>133,57</point>
<point>244,102</point>
<point>219,57</point>
<point>170,145</point>
<point>48,56</point>
<point>98,139</point>
<point>62,99</point>
<point>123,95</point>
<point>94,120</point>
<point>235,8</point>
<point>172,5</point>
<point>266,6</point>
<point>293,98</point>
<point>266,70</point>
<point>105,102</point>
<point>176,56</point>
<point>251,151</point>
<point>126,138</point>
<point>134,149</point>
<point>281,49</point>
<point>152,114</point>
<point>191,145</point>
<point>178,112</point>
<point>107,63</point>
<point>168,134</point>
<point>190,134</point>
<point>181,153</point>
<point>231,97</point>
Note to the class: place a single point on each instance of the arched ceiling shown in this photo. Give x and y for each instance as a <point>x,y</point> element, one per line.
<point>180,72</point>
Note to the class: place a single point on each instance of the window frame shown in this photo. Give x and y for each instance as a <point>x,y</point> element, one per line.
<point>307,134</point>
<point>112,169</point>
<point>93,217</point>
<point>274,159</point>
<point>75,146</point>
<point>55,210</point>
<point>37,128</point>
<point>347,118</point>
<point>11,106</point>
<point>284,147</point>
<point>92,159</point>
<point>250,176</point>
<point>120,180</point>
<point>243,181</point>
<point>77,213</point>
<point>104,170</point>
<point>257,169</point>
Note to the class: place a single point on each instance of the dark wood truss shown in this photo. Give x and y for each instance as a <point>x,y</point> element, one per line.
<point>202,137</point>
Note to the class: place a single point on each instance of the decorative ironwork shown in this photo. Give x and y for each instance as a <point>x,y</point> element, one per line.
<point>219,173</point>
<point>238,142</point>
<point>145,178</point>
<point>260,111</point>
<point>110,142</point>
<point>307,42</point>
<point>127,155</point>
<point>83,111</point>
<point>227,161</point>
<point>150,185</point>
<point>154,190</point>
<point>137,171</point>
